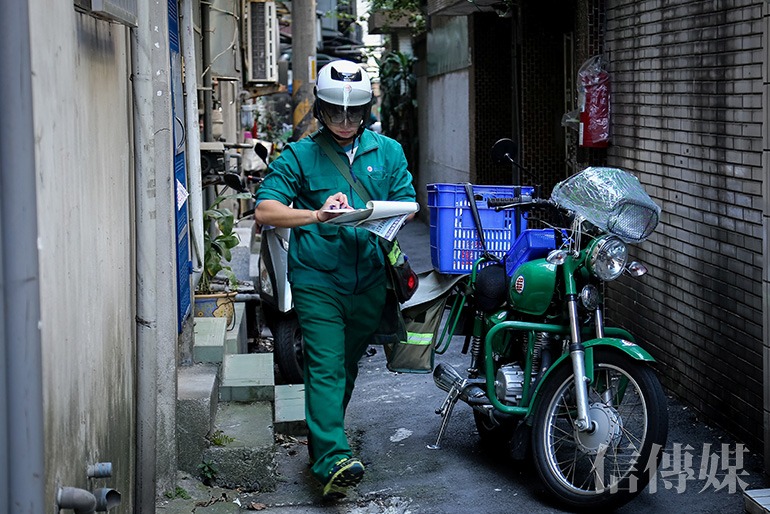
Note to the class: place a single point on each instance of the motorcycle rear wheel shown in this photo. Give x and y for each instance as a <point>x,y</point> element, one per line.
<point>609,466</point>
<point>288,348</point>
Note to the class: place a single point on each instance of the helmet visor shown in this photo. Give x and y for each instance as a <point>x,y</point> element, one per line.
<point>337,114</point>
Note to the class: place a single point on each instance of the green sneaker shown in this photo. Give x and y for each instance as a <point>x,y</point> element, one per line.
<point>346,473</point>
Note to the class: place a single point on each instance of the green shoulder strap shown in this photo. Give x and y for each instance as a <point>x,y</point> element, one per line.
<point>323,141</point>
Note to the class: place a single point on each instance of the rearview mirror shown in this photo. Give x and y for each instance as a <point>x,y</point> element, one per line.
<point>233,181</point>
<point>505,150</point>
<point>261,151</point>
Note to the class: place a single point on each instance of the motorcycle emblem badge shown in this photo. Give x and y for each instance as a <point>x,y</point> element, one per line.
<point>519,284</point>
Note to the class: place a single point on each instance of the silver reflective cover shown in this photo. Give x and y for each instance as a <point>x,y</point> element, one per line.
<point>611,199</point>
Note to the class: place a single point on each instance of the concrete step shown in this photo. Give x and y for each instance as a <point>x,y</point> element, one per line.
<point>757,501</point>
<point>196,407</point>
<point>247,377</point>
<point>209,339</point>
<point>289,410</point>
<point>236,340</point>
<point>242,455</point>
<point>213,340</point>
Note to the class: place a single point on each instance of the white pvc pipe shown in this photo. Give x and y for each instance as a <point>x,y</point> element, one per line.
<point>193,139</point>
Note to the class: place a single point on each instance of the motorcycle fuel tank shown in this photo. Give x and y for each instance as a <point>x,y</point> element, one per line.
<point>532,286</point>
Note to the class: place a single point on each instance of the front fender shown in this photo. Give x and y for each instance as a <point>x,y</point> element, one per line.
<point>621,344</point>
<point>633,350</point>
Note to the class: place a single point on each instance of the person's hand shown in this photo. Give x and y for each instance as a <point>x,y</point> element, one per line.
<point>334,202</point>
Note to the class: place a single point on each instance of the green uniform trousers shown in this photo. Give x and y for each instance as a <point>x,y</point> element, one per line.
<point>336,329</point>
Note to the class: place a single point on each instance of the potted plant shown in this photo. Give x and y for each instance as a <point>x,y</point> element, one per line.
<point>218,285</point>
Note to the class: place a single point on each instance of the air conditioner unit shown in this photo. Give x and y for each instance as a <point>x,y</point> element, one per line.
<point>120,11</point>
<point>261,33</point>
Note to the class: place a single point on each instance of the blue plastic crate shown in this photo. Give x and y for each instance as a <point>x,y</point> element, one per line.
<point>454,241</point>
<point>531,244</point>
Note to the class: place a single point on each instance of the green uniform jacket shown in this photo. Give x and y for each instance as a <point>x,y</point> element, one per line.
<point>348,260</point>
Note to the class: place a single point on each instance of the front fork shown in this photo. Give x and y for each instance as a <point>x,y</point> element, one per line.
<point>577,356</point>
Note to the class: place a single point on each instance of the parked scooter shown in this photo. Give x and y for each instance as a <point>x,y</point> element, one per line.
<point>270,272</point>
<point>276,303</point>
<point>546,375</point>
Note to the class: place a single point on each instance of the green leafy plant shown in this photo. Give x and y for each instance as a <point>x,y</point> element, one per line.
<point>178,492</point>
<point>398,9</point>
<point>219,438</point>
<point>274,129</point>
<point>219,238</point>
<point>345,16</point>
<point>208,472</point>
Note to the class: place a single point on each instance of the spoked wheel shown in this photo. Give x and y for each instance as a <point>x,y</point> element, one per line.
<point>609,465</point>
<point>288,349</point>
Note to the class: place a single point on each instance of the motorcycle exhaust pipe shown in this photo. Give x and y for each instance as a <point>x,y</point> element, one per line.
<point>448,379</point>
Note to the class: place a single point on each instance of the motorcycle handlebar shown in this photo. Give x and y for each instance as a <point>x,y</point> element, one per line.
<point>503,203</point>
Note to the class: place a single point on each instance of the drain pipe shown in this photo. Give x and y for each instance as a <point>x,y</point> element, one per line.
<point>106,499</point>
<point>83,502</point>
<point>193,137</point>
<point>79,500</point>
<point>22,470</point>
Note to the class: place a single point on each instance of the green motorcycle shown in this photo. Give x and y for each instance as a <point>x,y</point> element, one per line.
<point>546,376</point>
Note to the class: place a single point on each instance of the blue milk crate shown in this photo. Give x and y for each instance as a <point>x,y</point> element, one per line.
<point>531,244</point>
<point>454,242</point>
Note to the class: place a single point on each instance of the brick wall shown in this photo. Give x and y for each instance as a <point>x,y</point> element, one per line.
<point>590,24</point>
<point>687,118</point>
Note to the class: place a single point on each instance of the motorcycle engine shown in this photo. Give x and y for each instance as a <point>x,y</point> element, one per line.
<point>509,384</point>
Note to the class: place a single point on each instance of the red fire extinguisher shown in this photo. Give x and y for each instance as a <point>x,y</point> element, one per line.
<point>594,131</point>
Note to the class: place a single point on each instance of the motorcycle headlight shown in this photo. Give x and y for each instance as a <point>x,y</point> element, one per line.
<point>607,257</point>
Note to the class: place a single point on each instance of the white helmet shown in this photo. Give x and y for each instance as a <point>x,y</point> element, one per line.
<point>343,91</point>
<point>343,83</point>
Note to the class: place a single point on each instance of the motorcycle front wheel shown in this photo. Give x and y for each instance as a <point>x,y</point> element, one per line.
<point>609,465</point>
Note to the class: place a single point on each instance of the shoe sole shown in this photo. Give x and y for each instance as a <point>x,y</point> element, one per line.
<point>349,475</point>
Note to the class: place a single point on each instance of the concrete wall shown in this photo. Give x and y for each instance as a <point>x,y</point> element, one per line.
<point>688,119</point>
<point>83,148</point>
<point>445,126</point>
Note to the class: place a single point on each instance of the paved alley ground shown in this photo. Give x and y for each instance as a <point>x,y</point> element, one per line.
<point>391,421</point>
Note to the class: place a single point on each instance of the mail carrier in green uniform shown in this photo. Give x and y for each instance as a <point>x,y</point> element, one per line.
<point>337,273</point>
